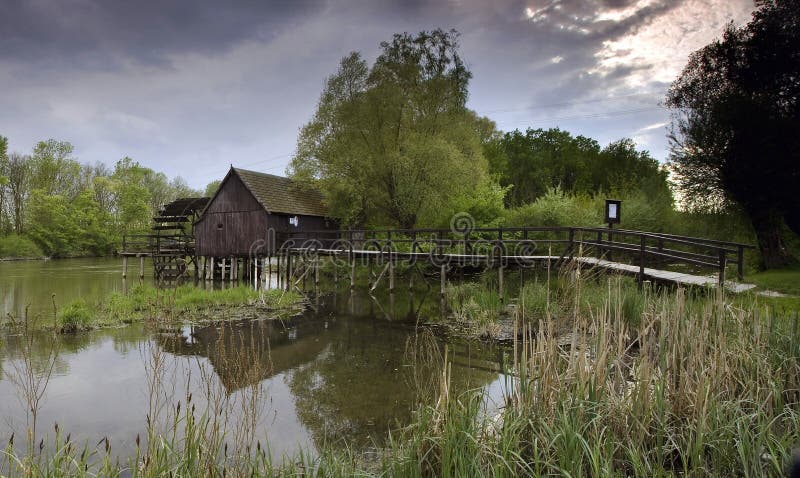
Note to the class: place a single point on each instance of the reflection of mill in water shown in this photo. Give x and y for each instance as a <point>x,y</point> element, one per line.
<point>245,352</point>
<point>352,374</point>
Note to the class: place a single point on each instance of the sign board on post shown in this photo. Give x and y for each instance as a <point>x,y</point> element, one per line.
<point>613,211</point>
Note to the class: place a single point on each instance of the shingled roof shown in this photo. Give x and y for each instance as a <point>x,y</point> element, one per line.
<point>282,195</point>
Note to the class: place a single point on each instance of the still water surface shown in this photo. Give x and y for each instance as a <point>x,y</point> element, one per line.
<point>343,373</point>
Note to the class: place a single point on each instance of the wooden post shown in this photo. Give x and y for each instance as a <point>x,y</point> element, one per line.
<point>391,274</point>
<point>288,271</point>
<point>599,245</point>
<point>124,266</point>
<point>278,279</point>
<point>268,265</point>
<point>500,280</point>
<point>723,261</point>
<point>141,267</point>
<point>316,272</point>
<point>352,271</point>
<point>335,272</point>
<point>740,263</point>
<point>211,270</point>
<point>571,246</point>
<point>642,240</point>
<point>443,271</point>
<point>611,240</point>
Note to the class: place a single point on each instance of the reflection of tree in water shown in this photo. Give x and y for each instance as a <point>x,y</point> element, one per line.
<point>41,345</point>
<point>369,380</point>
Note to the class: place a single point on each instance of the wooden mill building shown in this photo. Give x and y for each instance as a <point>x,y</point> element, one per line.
<point>252,212</point>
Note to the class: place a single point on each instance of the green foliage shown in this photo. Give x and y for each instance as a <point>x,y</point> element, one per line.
<point>76,316</point>
<point>69,208</point>
<point>534,162</point>
<point>212,188</point>
<point>395,144</point>
<point>474,302</point>
<point>16,246</point>
<point>557,208</point>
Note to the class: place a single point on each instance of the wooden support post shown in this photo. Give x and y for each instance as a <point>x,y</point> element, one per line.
<point>641,259</point>
<point>571,243</point>
<point>611,240</point>
<point>500,281</point>
<point>352,271</point>
<point>443,273</point>
<point>599,245</point>
<point>723,262</point>
<point>335,272</point>
<point>263,273</point>
<point>288,271</point>
<point>124,266</point>
<point>141,267</point>
<point>740,263</point>
<point>211,270</point>
<point>391,276</point>
<point>278,280</point>
<point>269,271</point>
<point>316,272</point>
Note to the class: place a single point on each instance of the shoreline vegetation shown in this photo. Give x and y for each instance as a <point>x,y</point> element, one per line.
<point>147,303</point>
<point>604,380</point>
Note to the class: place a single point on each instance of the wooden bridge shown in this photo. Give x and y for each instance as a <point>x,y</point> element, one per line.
<point>656,257</point>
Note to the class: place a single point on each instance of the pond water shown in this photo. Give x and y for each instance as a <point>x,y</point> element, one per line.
<point>343,373</point>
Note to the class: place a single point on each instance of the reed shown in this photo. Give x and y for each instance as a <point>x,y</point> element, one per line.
<point>661,383</point>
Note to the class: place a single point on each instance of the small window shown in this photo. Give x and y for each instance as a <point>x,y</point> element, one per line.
<point>219,226</point>
<point>294,221</point>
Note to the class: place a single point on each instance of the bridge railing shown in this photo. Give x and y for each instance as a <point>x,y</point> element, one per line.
<point>643,249</point>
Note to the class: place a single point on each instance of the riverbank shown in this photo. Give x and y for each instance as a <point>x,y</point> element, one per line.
<point>146,303</point>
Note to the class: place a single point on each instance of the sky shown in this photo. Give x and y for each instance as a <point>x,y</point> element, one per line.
<point>189,87</point>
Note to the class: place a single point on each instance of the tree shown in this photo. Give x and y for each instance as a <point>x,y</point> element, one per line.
<point>537,161</point>
<point>394,143</point>
<point>53,169</point>
<point>3,183</point>
<point>18,183</point>
<point>211,188</point>
<point>734,141</point>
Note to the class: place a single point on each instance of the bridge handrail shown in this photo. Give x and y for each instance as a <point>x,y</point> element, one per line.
<point>712,253</point>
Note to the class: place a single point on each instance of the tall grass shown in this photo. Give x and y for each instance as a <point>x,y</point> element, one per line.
<point>665,383</point>
<point>694,386</point>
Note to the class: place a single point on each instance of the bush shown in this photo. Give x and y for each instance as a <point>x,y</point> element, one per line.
<point>75,316</point>
<point>556,208</point>
<point>17,246</point>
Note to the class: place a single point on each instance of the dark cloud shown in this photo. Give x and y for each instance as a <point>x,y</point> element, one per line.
<point>190,86</point>
<point>95,32</point>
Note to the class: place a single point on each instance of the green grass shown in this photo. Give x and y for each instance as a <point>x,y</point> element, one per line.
<point>147,303</point>
<point>75,316</point>
<point>785,281</point>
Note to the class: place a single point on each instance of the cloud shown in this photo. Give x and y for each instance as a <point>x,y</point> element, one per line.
<point>190,86</point>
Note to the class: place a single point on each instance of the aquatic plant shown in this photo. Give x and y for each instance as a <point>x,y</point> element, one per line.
<point>75,316</point>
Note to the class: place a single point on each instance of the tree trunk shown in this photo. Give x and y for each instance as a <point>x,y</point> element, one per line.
<point>768,226</point>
